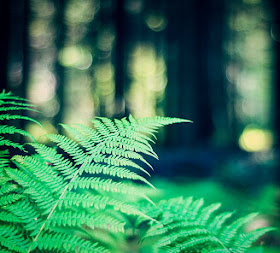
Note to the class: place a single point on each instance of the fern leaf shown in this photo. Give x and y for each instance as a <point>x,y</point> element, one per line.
<point>60,163</point>
<point>53,181</point>
<point>195,242</point>
<point>244,240</point>
<point>16,108</point>
<point>4,129</point>
<point>25,212</point>
<point>12,239</point>
<point>9,199</point>
<point>90,133</point>
<point>5,250</point>
<point>182,234</point>
<point>8,187</point>
<point>205,214</point>
<point>35,189</point>
<point>68,243</point>
<point>97,219</point>
<point>115,171</point>
<point>15,103</point>
<point>6,142</point>
<point>69,146</point>
<point>217,224</point>
<point>9,217</point>
<point>40,170</point>
<point>14,117</point>
<point>184,225</point>
<point>230,232</point>
<point>72,199</point>
<point>107,185</point>
<point>9,96</point>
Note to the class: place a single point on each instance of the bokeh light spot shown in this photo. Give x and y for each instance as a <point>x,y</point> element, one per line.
<point>156,22</point>
<point>255,139</point>
<point>79,12</point>
<point>75,57</point>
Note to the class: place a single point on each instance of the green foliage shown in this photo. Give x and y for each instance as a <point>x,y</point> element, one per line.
<point>8,106</point>
<point>82,194</point>
<point>186,225</point>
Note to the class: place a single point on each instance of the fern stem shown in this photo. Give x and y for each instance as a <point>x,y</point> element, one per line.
<point>55,205</point>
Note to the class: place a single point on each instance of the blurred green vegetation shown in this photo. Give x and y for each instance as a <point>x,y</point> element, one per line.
<point>266,202</point>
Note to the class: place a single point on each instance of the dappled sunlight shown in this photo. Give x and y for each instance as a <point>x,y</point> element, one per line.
<point>78,100</point>
<point>76,57</point>
<point>104,88</point>
<point>80,12</point>
<point>42,86</point>
<point>249,71</point>
<point>148,74</point>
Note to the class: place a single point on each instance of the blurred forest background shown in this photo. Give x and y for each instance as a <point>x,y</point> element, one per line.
<point>216,62</point>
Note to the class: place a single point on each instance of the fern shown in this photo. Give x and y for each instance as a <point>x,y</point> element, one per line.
<point>97,152</point>
<point>8,105</point>
<point>15,210</point>
<point>67,189</point>
<point>185,225</point>
<point>82,194</point>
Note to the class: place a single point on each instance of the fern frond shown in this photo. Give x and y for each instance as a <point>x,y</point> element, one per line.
<point>185,225</point>
<point>16,108</point>
<point>70,147</point>
<point>230,231</point>
<point>196,242</point>
<point>34,188</point>
<point>218,223</point>
<point>13,239</point>
<point>16,117</point>
<point>7,188</point>
<point>68,243</point>
<point>16,103</point>
<point>9,104</point>
<point>4,129</point>
<point>9,96</point>
<point>9,199</point>
<point>119,141</point>
<point>244,240</point>
<point>112,149</point>
<point>6,142</point>
<point>5,250</point>
<point>98,202</point>
<point>94,219</point>
<point>25,211</point>
<point>60,163</point>
<point>51,190</point>
<point>104,184</point>
<point>9,217</point>
<point>36,167</point>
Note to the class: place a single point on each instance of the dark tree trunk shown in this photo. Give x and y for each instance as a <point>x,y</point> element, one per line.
<point>26,48</point>
<point>276,37</point>
<point>202,49</point>
<point>59,69</point>
<point>13,46</point>
<point>4,43</point>
<point>189,78</point>
<point>215,73</point>
<point>120,59</point>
